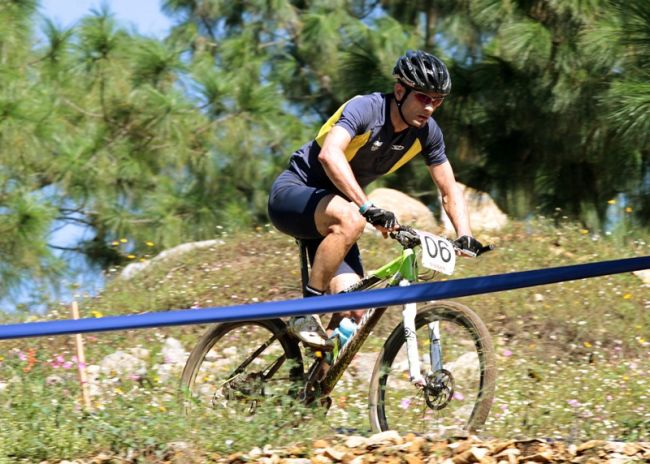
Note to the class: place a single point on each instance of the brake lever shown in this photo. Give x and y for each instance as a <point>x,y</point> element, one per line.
<point>471,254</point>
<point>406,236</point>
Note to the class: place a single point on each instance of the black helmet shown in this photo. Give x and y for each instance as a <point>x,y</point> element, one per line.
<point>423,71</point>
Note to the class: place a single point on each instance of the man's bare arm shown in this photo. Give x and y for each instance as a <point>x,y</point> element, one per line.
<point>452,198</point>
<point>337,167</point>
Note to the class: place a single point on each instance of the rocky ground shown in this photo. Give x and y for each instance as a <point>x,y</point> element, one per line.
<point>391,448</point>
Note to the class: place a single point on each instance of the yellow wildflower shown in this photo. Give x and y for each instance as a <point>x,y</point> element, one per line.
<point>627,296</point>
<point>149,243</point>
<point>123,240</point>
<point>131,256</point>
<point>584,231</point>
<point>587,345</point>
<point>628,210</point>
<point>96,314</point>
<point>611,202</point>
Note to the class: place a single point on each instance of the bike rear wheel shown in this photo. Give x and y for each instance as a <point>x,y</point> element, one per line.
<point>458,395</point>
<point>238,367</point>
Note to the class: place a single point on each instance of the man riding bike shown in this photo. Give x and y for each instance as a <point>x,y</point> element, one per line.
<point>320,198</point>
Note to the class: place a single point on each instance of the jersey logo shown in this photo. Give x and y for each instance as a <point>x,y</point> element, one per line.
<point>397,147</point>
<point>376,144</point>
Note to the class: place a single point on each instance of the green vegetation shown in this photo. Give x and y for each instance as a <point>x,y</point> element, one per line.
<point>572,357</point>
<point>161,141</point>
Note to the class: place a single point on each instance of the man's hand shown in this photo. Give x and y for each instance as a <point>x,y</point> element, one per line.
<point>383,220</point>
<point>469,246</point>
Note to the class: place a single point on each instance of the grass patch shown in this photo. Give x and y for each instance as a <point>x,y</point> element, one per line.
<point>573,358</point>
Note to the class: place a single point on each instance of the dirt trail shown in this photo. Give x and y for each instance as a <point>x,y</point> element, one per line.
<point>391,448</point>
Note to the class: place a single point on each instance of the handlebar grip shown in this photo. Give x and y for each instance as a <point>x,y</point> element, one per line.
<point>485,249</point>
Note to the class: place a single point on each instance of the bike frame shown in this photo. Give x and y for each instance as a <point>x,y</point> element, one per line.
<point>400,270</point>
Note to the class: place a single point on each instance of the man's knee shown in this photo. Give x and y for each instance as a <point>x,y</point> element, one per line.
<point>339,216</point>
<point>352,222</point>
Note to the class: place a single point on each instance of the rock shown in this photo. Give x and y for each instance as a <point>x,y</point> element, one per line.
<point>484,214</point>
<point>320,444</point>
<point>390,437</point>
<point>167,372</point>
<point>92,375</point>
<point>407,209</point>
<point>644,275</point>
<point>319,459</point>
<point>180,452</point>
<point>335,454</point>
<point>134,268</point>
<point>173,352</point>
<point>356,441</point>
<point>122,364</point>
<point>139,352</point>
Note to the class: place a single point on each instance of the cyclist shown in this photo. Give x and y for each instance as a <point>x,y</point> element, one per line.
<point>320,198</point>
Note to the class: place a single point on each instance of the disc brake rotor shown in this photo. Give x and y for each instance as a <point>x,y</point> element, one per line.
<point>439,389</point>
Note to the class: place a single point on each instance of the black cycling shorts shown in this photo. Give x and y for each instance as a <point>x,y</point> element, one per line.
<point>291,208</point>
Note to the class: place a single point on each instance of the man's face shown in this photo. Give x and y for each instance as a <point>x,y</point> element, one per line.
<point>418,106</point>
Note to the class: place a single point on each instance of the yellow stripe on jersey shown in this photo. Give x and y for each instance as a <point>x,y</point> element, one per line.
<point>414,150</point>
<point>355,144</point>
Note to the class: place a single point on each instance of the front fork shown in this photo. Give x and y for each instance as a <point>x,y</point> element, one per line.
<point>435,353</point>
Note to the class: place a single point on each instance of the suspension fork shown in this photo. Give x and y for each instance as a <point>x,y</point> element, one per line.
<point>408,313</point>
<point>435,351</point>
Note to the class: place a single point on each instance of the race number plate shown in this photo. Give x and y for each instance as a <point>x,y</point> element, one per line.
<point>437,253</point>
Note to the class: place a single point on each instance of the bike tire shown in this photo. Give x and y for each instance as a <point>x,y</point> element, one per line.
<point>205,380</point>
<point>470,368</point>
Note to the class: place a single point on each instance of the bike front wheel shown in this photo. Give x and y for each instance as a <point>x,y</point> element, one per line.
<point>238,367</point>
<point>457,360</point>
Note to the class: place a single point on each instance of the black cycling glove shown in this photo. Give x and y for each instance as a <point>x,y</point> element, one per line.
<point>380,217</point>
<point>470,246</point>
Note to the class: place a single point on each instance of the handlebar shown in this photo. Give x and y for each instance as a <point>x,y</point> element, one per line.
<point>409,238</point>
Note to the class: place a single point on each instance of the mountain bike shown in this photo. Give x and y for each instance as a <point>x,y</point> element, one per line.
<point>435,373</point>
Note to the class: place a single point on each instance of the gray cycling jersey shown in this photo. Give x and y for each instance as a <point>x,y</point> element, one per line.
<point>375,149</point>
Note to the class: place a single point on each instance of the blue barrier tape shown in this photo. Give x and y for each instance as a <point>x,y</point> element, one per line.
<point>329,303</point>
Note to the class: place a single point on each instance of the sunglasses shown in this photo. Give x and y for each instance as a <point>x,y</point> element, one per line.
<point>426,99</point>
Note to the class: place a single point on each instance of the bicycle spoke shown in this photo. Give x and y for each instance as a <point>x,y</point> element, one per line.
<point>254,355</point>
<point>238,367</point>
<point>455,372</point>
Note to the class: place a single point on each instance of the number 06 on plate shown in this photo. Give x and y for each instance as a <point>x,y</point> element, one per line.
<point>437,253</point>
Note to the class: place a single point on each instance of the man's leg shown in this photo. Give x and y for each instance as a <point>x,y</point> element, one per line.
<point>339,283</point>
<point>340,223</point>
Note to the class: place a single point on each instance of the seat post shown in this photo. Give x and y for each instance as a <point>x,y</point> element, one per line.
<point>304,263</point>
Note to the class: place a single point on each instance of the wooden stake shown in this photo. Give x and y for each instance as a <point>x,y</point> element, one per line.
<point>81,361</point>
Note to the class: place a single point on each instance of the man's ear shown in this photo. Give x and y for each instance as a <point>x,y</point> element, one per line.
<point>398,90</point>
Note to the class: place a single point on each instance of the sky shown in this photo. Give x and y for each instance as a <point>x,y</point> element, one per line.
<point>144,15</point>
